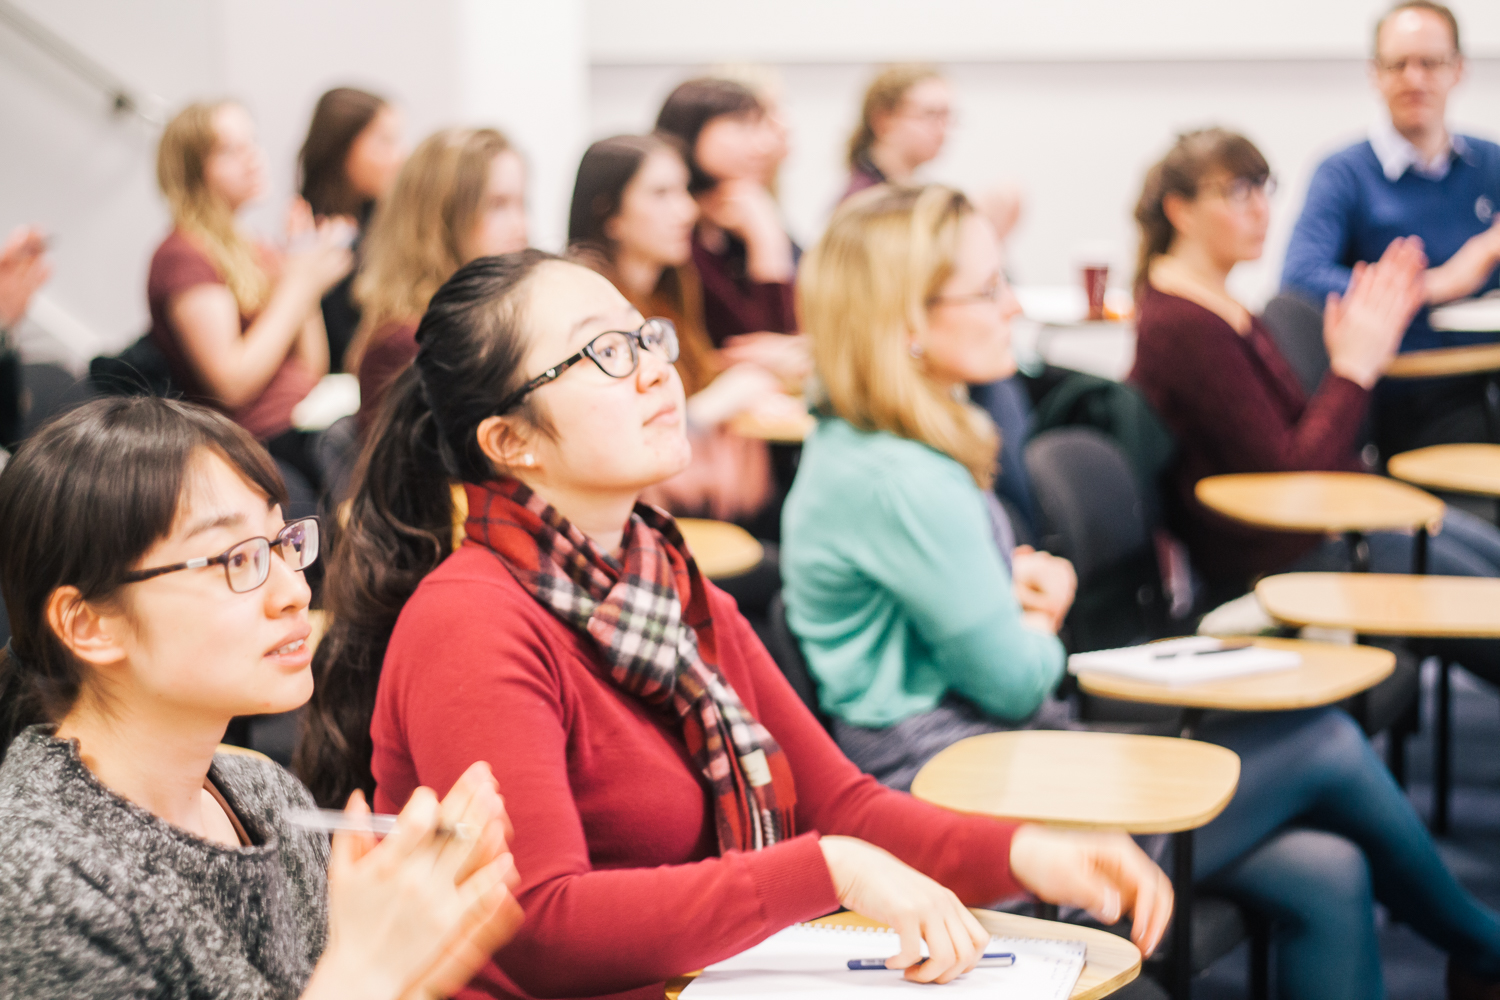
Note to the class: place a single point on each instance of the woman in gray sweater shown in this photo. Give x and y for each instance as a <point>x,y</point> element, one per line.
<point>154,593</point>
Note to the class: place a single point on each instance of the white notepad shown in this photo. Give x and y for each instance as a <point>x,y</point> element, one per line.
<point>809,962</point>
<point>1153,663</point>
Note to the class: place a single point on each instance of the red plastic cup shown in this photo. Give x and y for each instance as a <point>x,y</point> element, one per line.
<point>1095,280</point>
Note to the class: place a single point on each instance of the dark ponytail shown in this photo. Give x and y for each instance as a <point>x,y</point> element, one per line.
<point>399,524</point>
<point>80,503</point>
<point>1194,156</point>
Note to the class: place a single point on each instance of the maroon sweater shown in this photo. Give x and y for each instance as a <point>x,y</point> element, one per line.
<point>733,303</point>
<point>1235,405</point>
<point>621,876</point>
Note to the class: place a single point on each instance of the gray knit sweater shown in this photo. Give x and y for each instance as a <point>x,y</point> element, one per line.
<point>100,898</point>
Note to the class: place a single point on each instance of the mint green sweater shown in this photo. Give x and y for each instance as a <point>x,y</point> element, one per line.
<point>895,588</point>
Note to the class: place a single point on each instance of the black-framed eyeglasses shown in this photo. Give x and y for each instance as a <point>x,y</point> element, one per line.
<point>247,564</point>
<point>1241,190</point>
<point>616,352</point>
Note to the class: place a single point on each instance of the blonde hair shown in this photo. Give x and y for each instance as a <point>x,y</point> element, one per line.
<point>884,95</point>
<point>418,233</point>
<point>181,158</point>
<point>863,294</point>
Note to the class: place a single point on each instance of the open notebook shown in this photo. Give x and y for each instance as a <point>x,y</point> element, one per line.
<point>810,962</point>
<point>1183,661</point>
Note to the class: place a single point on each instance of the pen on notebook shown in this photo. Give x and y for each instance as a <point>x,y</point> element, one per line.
<point>380,824</point>
<point>1228,647</point>
<point>997,959</point>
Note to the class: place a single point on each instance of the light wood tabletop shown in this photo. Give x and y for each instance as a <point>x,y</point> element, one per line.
<point>1108,781</point>
<point>1444,361</point>
<point>721,549</point>
<point>778,428</point>
<point>1452,468</point>
<point>1109,963</point>
<point>1386,603</point>
<point>1329,673</point>
<point>1320,501</point>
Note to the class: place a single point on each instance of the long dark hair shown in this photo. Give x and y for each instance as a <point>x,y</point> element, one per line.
<point>693,105</point>
<point>1191,158</point>
<point>606,170</point>
<point>471,342</point>
<point>80,503</point>
<point>338,119</point>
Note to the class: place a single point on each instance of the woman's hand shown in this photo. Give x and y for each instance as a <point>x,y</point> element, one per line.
<point>787,356</point>
<point>1363,329</point>
<point>745,208</point>
<point>23,269</point>
<point>1103,873</point>
<point>1044,585</point>
<point>319,256</point>
<point>416,915</point>
<point>875,884</point>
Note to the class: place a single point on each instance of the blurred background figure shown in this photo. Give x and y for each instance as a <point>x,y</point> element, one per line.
<point>355,146</point>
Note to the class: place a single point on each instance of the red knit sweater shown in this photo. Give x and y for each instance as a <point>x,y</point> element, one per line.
<point>621,878</point>
<point>1235,405</point>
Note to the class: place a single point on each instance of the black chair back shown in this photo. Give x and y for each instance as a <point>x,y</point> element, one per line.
<point>787,652</point>
<point>1093,514</point>
<point>1297,328</point>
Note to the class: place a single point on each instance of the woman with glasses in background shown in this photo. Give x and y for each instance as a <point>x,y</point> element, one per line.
<point>1217,379</point>
<point>135,859</point>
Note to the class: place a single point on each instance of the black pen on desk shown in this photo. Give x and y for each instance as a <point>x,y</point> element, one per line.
<point>1228,647</point>
<point>997,960</point>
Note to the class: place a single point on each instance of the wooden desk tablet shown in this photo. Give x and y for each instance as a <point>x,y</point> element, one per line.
<point>720,548</point>
<point>1429,607</point>
<point>778,428</point>
<point>1099,781</point>
<point>1451,468</point>
<point>1446,361</point>
<point>1322,502</point>
<point>1329,673</point>
<point>1109,963</point>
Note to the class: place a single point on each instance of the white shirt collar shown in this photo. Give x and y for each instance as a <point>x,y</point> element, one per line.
<point>1397,155</point>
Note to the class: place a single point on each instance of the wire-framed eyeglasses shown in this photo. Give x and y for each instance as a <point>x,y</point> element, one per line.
<point>616,352</point>
<point>247,564</point>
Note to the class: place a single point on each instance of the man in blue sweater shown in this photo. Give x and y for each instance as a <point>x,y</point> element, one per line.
<point>1411,177</point>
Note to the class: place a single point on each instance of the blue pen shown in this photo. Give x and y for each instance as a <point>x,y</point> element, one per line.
<point>1000,959</point>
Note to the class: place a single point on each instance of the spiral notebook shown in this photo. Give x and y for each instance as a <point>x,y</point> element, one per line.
<point>810,962</point>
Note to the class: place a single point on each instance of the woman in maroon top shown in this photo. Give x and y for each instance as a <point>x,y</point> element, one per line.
<point>742,252</point>
<point>461,195</point>
<point>242,330</point>
<point>674,801</point>
<point>903,124</point>
<point>1218,380</point>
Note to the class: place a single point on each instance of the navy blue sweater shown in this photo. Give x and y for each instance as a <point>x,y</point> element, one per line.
<point>1353,213</point>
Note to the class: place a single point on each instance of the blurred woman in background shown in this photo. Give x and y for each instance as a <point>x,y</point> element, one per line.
<point>462,195</point>
<point>241,325</point>
<point>355,145</point>
<point>903,124</point>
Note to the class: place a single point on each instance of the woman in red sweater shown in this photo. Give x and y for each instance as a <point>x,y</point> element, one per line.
<point>674,801</point>
<point>1211,370</point>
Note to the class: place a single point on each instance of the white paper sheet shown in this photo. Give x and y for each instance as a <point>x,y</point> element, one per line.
<point>809,962</point>
<point>1150,662</point>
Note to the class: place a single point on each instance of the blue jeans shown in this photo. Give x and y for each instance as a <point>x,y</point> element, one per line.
<point>1317,831</point>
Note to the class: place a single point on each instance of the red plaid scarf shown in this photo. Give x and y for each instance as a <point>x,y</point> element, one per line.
<point>656,650</point>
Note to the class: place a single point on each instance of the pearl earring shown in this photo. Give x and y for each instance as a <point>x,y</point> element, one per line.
<point>527,460</point>
<point>915,349</point>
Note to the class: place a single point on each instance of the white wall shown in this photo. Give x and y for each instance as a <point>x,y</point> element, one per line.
<point>1077,135</point>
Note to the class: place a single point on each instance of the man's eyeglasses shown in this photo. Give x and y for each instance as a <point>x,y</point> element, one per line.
<point>1427,64</point>
<point>1240,191</point>
<point>616,352</point>
<point>248,563</point>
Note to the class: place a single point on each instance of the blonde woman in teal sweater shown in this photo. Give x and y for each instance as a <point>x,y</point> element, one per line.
<point>924,624</point>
